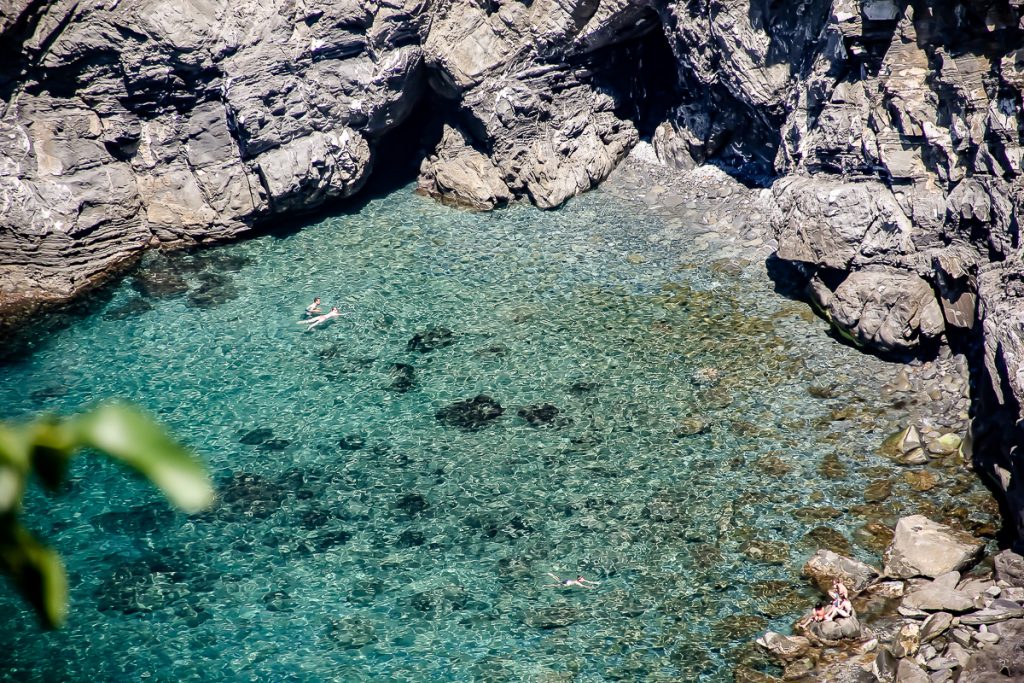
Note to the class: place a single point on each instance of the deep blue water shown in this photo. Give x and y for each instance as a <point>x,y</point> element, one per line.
<point>361,538</point>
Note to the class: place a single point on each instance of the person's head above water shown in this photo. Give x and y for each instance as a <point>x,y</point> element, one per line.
<point>316,299</point>
<point>334,309</point>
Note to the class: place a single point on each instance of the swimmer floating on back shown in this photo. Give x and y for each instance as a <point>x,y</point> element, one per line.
<point>569,583</point>
<point>313,322</point>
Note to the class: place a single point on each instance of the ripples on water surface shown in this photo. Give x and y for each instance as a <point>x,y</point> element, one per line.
<point>361,539</point>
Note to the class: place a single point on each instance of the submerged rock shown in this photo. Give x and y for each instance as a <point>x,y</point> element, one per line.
<point>257,436</point>
<point>213,290</point>
<point>470,414</point>
<point>539,415</point>
<point>403,377</point>
<point>128,309</point>
<point>431,340</point>
<point>159,282</point>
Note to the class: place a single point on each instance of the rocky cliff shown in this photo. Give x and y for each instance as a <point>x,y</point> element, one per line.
<point>889,132</point>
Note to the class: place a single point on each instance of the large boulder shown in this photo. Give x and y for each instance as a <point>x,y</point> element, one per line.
<point>921,547</point>
<point>886,309</point>
<point>784,647</point>
<point>825,566</point>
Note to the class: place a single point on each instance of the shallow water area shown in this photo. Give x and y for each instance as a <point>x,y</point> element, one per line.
<point>656,434</point>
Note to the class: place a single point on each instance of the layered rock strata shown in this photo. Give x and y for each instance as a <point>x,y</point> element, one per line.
<point>890,133</point>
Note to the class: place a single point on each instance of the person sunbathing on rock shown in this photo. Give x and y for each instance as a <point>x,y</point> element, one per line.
<point>569,583</point>
<point>821,612</point>
<point>841,608</point>
<point>838,591</point>
<point>313,322</point>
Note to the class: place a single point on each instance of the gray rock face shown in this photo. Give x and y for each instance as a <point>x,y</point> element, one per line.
<point>921,547</point>
<point>1009,567</point>
<point>1002,661</point>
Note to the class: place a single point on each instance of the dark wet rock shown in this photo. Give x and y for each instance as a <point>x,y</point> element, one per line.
<point>213,290</point>
<point>257,436</point>
<point>159,282</point>
<point>129,309</point>
<point>274,445</point>
<point>539,415</point>
<point>470,414</point>
<point>412,504</point>
<point>431,340</point>
<point>352,442</point>
<point>403,377</point>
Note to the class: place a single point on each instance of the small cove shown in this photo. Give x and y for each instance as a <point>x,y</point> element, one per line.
<point>692,465</point>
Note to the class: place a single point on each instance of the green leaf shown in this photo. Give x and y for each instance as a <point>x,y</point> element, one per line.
<point>53,444</point>
<point>133,438</point>
<point>14,447</point>
<point>37,570</point>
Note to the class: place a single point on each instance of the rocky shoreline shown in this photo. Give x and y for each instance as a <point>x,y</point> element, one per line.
<point>928,621</point>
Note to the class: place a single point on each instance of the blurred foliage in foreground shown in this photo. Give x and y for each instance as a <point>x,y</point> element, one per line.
<point>45,446</point>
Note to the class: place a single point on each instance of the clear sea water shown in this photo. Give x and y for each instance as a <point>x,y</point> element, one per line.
<point>359,537</point>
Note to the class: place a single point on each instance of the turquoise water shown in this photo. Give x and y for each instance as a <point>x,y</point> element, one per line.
<point>361,537</point>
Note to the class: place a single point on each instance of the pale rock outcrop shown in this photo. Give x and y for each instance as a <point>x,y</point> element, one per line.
<point>921,547</point>
<point>460,175</point>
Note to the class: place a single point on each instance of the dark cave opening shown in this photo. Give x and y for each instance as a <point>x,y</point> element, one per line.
<point>640,75</point>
